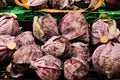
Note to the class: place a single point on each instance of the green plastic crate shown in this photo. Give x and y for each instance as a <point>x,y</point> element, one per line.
<point>25,14</point>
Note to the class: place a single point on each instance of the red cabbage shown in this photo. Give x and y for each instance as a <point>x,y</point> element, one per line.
<point>48,67</point>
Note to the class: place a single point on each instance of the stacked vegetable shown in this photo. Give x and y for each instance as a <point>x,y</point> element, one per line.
<point>9,28</point>
<point>63,47</point>
<point>26,51</point>
<point>65,44</point>
<point>56,4</point>
<point>106,57</point>
<point>59,53</point>
<point>17,48</point>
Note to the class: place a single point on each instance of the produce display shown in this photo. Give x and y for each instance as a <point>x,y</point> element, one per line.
<point>69,45</point>
<point>58,4</point>
<point>57,48</point>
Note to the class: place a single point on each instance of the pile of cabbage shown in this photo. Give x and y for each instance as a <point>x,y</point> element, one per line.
<point>64,48</point>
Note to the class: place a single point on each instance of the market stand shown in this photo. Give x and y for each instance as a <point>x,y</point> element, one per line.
<point>25,17</point>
